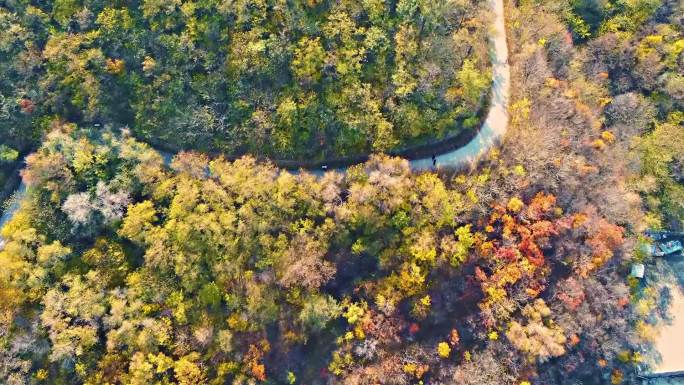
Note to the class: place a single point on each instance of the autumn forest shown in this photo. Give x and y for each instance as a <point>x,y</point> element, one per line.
<point>151,234</point>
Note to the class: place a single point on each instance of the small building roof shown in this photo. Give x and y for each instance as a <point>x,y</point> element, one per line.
<point>638,270</point>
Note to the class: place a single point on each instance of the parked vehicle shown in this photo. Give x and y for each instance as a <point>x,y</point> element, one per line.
<point>659,249</point>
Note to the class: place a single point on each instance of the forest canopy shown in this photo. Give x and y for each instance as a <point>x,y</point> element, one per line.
<point>128,271</point>
<point>291,80</point>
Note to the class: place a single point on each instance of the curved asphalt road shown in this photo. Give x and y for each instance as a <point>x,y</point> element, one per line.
<point>496,123</point>
<point>489,135</point>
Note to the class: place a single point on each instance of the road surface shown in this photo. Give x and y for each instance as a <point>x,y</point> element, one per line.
<point>670,341</point>
<point>496,124</point>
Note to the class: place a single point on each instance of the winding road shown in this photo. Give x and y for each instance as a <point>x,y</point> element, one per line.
<point>496,124</point>
<point>490,134</point>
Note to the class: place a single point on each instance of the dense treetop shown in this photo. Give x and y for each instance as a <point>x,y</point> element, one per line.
<point>130,272</point>
<point>287,79</point>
